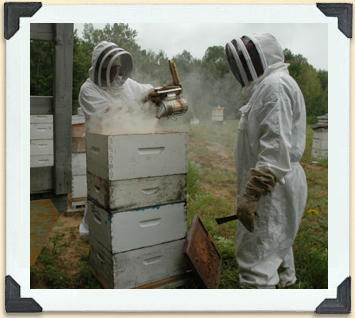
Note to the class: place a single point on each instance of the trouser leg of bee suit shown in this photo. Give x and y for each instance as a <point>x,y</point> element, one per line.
<point>265,274</point>
<point>288,273</point>
<point>84,225</point>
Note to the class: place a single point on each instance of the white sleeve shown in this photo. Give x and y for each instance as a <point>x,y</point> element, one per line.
<point>270,131</point>
<point>91,101</point>
<point>139,91</point>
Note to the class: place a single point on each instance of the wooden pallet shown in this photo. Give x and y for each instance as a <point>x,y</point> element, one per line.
<point>76,204</point>
<point>175,281</point>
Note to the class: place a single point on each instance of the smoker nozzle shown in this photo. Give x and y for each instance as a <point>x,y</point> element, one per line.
<point>161,111</point>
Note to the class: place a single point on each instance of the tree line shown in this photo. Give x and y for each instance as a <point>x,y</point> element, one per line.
<point>207,82</point>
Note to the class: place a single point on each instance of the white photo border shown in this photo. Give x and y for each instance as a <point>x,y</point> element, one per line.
<point>171,300</point>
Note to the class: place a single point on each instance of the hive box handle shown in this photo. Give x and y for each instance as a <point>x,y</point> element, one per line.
<point>150,151</point>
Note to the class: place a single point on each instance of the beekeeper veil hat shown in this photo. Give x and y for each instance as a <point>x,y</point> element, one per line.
<point>251,58</point>
<point>111,65</point>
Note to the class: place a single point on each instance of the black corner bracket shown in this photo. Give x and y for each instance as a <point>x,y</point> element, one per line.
<point>13,301</point>
<point>342,11</point>
<point>340,305</point>
<point>13,11</point>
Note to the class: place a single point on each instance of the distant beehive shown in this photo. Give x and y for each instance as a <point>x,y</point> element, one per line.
<point>194,121</point>
<point>320,138</point>
<point>217,116</point>
<point>137,207</point>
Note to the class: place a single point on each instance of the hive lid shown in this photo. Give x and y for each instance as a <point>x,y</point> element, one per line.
<point>202,255</point>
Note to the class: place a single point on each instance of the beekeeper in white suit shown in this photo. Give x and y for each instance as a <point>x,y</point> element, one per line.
<point>272,187</point>
<point>109,85</point>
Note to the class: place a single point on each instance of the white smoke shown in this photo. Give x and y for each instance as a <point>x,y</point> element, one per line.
<point>131,117</point>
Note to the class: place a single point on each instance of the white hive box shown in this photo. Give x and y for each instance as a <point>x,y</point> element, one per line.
<point>320,134</point>
<point>79,188</point>
<point>41,131</point>
<point>76,119</point>
<point>128,230</point>
<point>138,267</point>
<point>41,147</point>
<point>121,157</point>
<point>41,161</point>
<point>194,121</point>
<point>78,164</point>
<point>131,194</point>
<point>41,119</point>
<point>320,143</point>
<point>41,143</point>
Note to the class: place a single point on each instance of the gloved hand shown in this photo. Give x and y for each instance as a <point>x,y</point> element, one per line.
<point>153,96</point>
<point>260,183</point>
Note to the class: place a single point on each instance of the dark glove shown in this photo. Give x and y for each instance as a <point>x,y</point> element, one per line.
<point>260,183</point>
<point>153,96</point>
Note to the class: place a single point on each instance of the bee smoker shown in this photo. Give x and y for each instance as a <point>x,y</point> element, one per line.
<point>171,103</point>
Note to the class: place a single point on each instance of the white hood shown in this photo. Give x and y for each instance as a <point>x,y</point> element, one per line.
<point>99,59</point>
<point>271,54</point>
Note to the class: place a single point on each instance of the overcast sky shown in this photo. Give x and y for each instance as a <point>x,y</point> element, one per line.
<point>307,39</point>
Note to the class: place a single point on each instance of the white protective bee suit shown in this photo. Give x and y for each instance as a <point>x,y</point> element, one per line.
<point>106,88</point>
<point>271,138</point>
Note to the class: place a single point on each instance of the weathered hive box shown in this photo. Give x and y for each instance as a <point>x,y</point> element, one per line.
<point>134,229</point>
<point>217,116</point>
<point>194,121</point>
<point>41,131</point>
<point>41,161</point>
<point>79,188</point>
<point>320,149</point>
<point>120,195</point>
<point>138,267</point>
<point>41,143</point>
<point>320,138</point>
<point>41,147</point>
<point>41,119</point>
<point>78,130</point>
<point>122,157</point>
<point>79,185</point>
<point>78,164</point>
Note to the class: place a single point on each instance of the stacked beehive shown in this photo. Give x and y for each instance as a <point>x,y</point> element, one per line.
<point>320,138</point>
<point>41,139</point>
<point>217,116</point>
<point>137,207</point>
<point>77,198</point>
